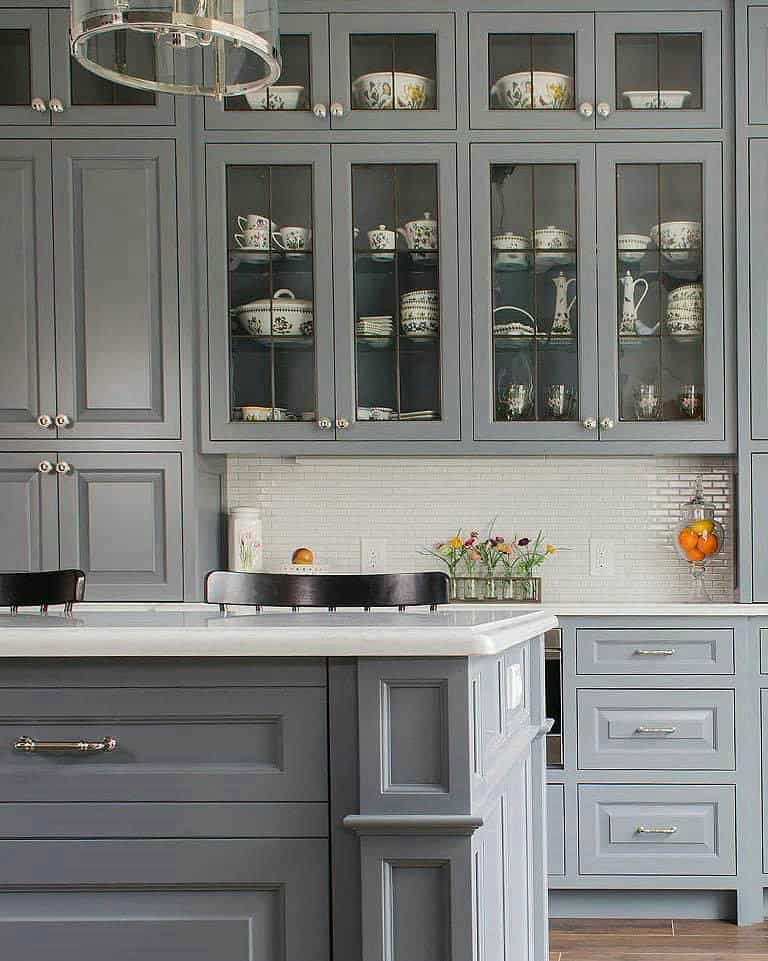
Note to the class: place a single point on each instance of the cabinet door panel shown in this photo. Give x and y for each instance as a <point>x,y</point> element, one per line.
<point>24,66</point>
<point>27,356</point>
<point>120,522</point>
<point>760,528</point>
<point>758,285</point>
<point>661,317</point>
<point>117,325</point>
<point>28,514</point>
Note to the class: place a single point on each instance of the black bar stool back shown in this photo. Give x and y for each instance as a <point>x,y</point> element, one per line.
<point>39,589</point>
<point>327,590</point>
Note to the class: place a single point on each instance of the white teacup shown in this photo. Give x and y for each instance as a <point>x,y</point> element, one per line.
<point>293,240</point>
<point>256,231</point>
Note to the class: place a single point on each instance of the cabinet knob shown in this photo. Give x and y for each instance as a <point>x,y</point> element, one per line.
<point>55,105</point>
<point>45,420</point>
<point>342,423</point>
<point>63,420</point>
<point>337,110</point>
<point>586,109</point>
<point>604,109</point>
<point>38,105</point>
<point>45,467</point>
<point>62,467</point>
<point>589,423</point>
<point>324,423</point>
<point>319,110</point>
<point>607,423</point>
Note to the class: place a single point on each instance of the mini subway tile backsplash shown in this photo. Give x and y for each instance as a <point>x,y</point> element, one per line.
<point>328,504</point>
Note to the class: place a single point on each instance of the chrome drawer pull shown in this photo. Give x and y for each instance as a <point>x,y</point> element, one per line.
<point>29,745</point>
<point>655,730</point>
<point>641,829</point>
<point>643,653</point>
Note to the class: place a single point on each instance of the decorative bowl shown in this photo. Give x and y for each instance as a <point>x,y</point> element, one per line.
<point>283,96</point>
<point>686,296</point>
<point>374,91</point>
<point>419,326</point>
<point>552,238</point>
<point>632,247</point>
<point>420,298</point>
<point>677,238</point>
<point>510,241</point>
<point>655,99</point>
<point>551,91</point>
<point>260,414</point>
<point>282,316</point>
<point>685,323</point>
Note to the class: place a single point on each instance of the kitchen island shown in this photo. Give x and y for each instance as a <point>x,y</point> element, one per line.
<point>273,787</point>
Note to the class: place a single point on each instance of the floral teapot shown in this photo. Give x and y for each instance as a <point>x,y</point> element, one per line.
<point>420,234</point>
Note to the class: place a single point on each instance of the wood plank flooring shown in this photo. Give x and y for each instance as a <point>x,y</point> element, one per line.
<point>639,940</point>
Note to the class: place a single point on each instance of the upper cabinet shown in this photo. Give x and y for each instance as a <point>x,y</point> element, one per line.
<point>354,72</point>
<point>586,71</point>
<point>758,64</point>
<point>41,84</point>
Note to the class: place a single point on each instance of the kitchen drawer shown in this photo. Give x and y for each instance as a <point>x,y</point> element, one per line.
<point>656,730</point>
<point>643,829</point>
<point>764,650</point>
<point>173,745</point>
<point>200,900</point>
<point>555,830</point>
<point>654,651</point>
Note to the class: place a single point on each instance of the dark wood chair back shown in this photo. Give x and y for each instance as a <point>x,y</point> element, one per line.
<point>327,590</point>
<point>39,589</point>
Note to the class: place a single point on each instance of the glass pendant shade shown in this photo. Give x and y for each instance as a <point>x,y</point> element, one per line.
<point>148,44</point>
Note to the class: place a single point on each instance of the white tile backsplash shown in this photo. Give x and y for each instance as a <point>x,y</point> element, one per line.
<point>327,504</point>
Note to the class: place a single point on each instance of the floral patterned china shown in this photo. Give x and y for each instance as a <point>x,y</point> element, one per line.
<point>538,90</point>
<point>677,238</point>
<point>512,250</point>
<point>284,315</point>
<point>256,233</point>
<point>393,91</point>
<point>656,99</point>
<point>283,96</point>
<point>382,241</point>
<point>632,247</point>
<point>293,240</point>
<point>420,234</point>
<point>685,311</point>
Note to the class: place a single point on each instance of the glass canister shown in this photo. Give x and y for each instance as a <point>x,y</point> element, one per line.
<point>698,537</point>
<point>246,548</point>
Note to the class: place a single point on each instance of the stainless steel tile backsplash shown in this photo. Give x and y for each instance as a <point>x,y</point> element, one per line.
<point>328,504</point>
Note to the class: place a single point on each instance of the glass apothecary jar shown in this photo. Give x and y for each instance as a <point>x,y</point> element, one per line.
<point>698,537</point>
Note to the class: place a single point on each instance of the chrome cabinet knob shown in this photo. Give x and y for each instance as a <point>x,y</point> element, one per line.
<point>63,420</point>
<point>55,105</point>
<point>586,109</point>
<point>319,110</point>
<point>589,423</point>
<point>337,110</point>
<point>38,105</point>
<point>606,423</point>
<point>604,109</point>
<point>342,423</point>
<point>62,467</point>
<point>45,467</point>
<point>324,423</point>
<point>45,420</point>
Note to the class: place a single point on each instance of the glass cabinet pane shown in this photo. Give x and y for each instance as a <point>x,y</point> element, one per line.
<point>271,293</point>
<point>136,51</point>
<point>15,67</point>
<point>294,90</point>
<point>531,71</point>
<point>661,293</point>
<point>393,71</point>
<point>658,71</point>
<point>534,297</point>
<point>396,292</point>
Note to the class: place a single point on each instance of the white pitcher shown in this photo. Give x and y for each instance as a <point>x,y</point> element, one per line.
<point>562,320</point>
<point>629,307</point>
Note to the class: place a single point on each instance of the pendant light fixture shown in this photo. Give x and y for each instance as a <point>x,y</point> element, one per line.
<point>149,44</point>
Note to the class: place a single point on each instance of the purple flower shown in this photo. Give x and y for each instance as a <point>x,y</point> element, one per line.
<point>524,542</point>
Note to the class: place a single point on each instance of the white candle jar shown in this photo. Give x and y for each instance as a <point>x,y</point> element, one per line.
<point>246,548</point>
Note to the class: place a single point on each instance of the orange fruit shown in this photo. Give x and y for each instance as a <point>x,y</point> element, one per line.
<point>707,544</point>
<point>694,555</point>
<point>687,539</point>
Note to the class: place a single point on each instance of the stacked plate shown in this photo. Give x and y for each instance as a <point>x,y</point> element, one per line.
<point>380,326</point>
<point>376,413</point>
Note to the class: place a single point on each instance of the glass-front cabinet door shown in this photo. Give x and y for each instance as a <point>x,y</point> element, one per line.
<point>659,69</point>
<point>397,343</point>
<point>532,70</point>
<point>661,317</point>
<point>269,290</point>
<point>534,288</point>
<point>24,78</point>
<point>300,99</point>
<point>393,71</point>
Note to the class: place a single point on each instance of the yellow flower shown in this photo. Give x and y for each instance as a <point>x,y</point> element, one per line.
<point>551,549</point>
<point>455,543</point>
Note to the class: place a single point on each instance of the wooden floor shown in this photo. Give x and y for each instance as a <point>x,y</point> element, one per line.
<point>594,940</point>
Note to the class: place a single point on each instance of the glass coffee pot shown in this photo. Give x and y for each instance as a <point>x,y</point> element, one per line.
<point>698,537</point>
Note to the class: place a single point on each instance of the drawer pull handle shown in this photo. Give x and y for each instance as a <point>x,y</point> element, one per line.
<point>29,745</point>
<point>641,829</point>
<point>661,653</point>
<point>655,730</point>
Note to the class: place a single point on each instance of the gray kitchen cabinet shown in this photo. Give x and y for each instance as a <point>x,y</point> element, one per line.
<point>555,830</point>
<point>758,286</point>
<point>117,325</point>
<point>28,513</point>
<point>120,522</point>
<point>27,372</point>
<point>760,529</point>
<point>24,80</point>
<point>652,650</point>
<point>757,67</point>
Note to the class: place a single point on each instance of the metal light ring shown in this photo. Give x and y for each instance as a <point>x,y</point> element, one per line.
<point>150,21</point>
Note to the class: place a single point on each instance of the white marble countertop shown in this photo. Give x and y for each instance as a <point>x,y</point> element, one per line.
<point>633,610</point>
<point>197,630</point>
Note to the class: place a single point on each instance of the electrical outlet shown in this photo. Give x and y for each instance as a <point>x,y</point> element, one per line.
<point>601,557</point>
<point>373,555</point>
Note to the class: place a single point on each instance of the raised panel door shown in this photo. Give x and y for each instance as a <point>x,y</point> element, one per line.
<point>28,513</point>
<point>757,271</point>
